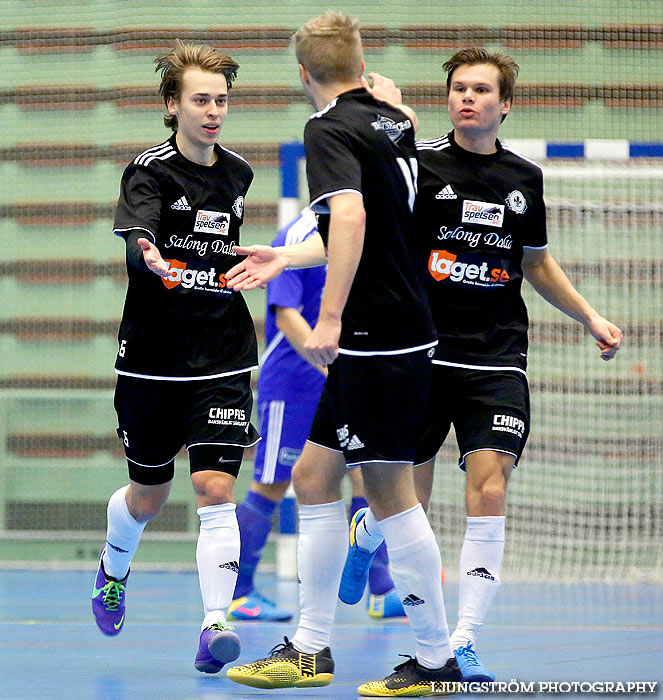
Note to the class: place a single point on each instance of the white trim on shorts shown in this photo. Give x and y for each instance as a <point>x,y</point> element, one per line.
<point>494,368</point>
<point>227,444</point>
<point>379,461</point>
<point>274,432</point>
<point>185,379</point>
<point>152,466</point>
<point>485,449</point>
<point>324,447</point>
<point>403,351</point>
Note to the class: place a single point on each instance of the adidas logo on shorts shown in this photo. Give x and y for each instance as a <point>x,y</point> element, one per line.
<point>355,443</point>
<point>446,193</point>
<point>181,204</point>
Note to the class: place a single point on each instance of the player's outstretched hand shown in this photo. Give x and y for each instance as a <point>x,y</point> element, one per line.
<point>153,258</point>
<point>608,337</point>
<point>321,348</point>
<point>261,265</point>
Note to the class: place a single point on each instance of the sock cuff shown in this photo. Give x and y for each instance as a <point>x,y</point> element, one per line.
<point>220,515</point>
<point>407,529</point>
<point>487,528</point>
<point>259,503</point>
<point>324,516</point>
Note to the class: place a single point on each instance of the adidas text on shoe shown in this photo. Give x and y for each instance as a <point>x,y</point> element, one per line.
<point>472,669</point>
<point>286,667</point>
<point>411,680</point>
<point>357,564</point>
<point>108,603</point>
<point>254,606</point>
<point>218,646</point>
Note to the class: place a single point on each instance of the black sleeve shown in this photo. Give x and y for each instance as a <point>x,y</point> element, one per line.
<point>139,204</point>
<point>134,251</point>
<point>537,236</point>
<point>332,166</point>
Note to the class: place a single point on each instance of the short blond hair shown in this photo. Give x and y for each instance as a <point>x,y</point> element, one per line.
<point>329,47</point>
<point>173,64</point>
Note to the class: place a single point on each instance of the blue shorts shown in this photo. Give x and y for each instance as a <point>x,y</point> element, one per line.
<point>284,426</point>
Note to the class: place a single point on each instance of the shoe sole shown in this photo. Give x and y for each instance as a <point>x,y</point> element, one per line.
<point>283,675</point>
<point>205,667</point>
<point>225,646</point>
<point>407,692</point>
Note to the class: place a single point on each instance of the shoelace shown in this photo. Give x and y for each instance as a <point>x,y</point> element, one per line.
<point>218,627</point>
<point>410,661</point>
<point>469,655</point>
<point>113,592</point>
<point>280,648</point>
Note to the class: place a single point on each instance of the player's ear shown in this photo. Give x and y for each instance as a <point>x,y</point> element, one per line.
<point>303,74</point>
<point>172,106</point>
<point>506,108</point>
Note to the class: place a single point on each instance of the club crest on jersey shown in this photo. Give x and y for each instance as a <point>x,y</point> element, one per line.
<point>484,213</point>
<point>516,202</point>
<point>238,206</point>
<point>394,130</point>
<point>212,222</point>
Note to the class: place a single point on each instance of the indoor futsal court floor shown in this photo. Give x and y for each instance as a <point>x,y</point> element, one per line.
<point>50,646</point>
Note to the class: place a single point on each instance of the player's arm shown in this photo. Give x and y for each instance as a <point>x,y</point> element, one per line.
<point>264,263</point>
<point>296,330</point>
<point>385,90</point>
<point>347,227</point>
<point>142,253</point>
<point>543,272</point>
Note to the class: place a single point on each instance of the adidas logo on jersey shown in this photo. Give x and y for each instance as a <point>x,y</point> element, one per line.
<point>446,193</point>
<point>181,204</point>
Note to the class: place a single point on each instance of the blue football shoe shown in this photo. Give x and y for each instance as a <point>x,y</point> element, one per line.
<point>357,564</point>
<point>386,605</point>
<point>218,646</point>
<point>254,606</point>
<point>472,669</point>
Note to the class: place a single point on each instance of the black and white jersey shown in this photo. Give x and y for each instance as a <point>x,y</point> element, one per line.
<point>359,144</point>
<point>187,325</point>
<point>476,213</point>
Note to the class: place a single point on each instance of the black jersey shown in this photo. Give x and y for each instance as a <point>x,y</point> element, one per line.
<point>476,213</point>
<point>187,325</point>
<point>359,144</point>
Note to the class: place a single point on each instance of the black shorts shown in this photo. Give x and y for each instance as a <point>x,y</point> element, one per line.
<point>489,409</point>
<point>210,417</point>
<point>372,407</point>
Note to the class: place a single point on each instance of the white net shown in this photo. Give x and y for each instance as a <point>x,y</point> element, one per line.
<point>78,101</point>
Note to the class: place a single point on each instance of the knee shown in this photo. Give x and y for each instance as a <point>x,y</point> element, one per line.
<point>144,508</point>
<point>490,499</point>
<point>213,488</point>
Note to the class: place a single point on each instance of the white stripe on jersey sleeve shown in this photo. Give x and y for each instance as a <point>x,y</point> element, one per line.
<point>324,208</point>
<point>161,148</point>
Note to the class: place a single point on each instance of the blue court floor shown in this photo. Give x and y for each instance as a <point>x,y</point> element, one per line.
<point>50,647</point>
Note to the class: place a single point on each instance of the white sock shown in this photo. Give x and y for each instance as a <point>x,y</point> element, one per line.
<point>321,552</point>
<point>368,533</point>
<point>479,572</point>
<point>122,535</point>
<point>416,567</point>
<point>217,556</point>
